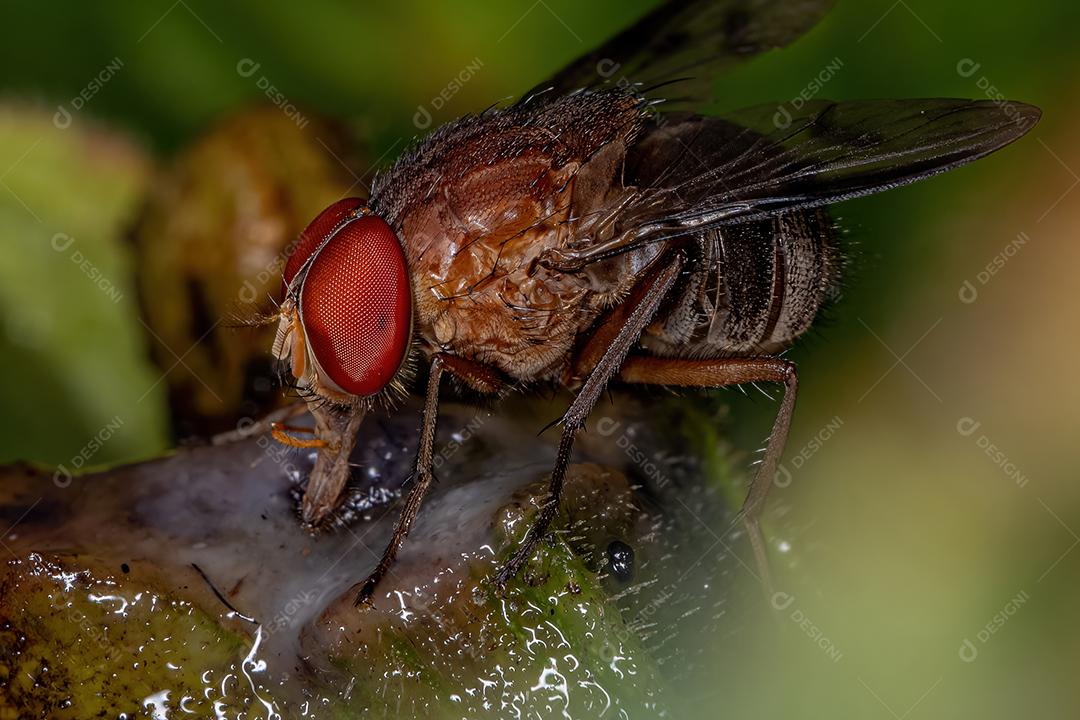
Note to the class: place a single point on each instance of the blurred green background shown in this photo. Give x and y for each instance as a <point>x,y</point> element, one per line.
<point>934,513</point>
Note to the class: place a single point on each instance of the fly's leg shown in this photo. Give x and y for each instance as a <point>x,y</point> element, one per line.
<point>721,373</point>
<point>286,435</point>
<point>334,436</point>
<point>573,260</point>
<point>654,288</point>
<point>480,378</point>
<point>421,481</point>
<point>258,427</point>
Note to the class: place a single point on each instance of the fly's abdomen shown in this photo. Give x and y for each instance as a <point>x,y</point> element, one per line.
<point>753,288</point>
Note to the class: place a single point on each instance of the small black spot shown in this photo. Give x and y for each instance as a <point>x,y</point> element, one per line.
<point>621,560</point>
<point>124,568</point>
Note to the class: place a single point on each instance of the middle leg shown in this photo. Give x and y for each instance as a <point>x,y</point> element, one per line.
<point>654,289</point>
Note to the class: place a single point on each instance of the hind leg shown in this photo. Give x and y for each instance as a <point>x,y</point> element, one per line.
<point>722,373</point>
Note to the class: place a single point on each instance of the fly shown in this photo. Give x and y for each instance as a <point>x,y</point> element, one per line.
<point>589,234</point>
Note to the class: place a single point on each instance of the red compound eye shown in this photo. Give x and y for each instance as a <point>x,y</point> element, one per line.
<point>356,307</point>
<point>317,231</point>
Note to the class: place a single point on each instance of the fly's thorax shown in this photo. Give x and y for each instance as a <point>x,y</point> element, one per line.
<point>475,210</point>
<point>478,291</point>
<point>479,200</point>
<point>524,325</point>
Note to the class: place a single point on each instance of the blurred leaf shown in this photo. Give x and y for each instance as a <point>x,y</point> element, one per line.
<point>77,388</point>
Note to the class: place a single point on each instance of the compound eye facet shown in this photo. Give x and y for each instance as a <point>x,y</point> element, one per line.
<point>316,232</point>
<point>356,306</point>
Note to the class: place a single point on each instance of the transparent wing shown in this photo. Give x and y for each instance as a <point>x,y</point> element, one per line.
<point>690,173</point>
<point>761,162</point>
<point>691,42</point>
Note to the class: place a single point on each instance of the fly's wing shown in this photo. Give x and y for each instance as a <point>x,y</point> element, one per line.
<point>696,172</point>
<point>688,41</point>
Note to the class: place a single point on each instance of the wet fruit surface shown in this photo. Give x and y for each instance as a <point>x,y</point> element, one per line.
<point>187,581</point>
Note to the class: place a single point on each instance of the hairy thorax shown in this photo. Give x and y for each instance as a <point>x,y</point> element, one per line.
<point>475,206</point>
<point>478,291</point>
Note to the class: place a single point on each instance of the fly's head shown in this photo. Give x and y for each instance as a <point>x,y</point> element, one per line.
<point>345,324</point>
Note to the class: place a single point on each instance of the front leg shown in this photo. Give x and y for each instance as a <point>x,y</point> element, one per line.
<point>478,377</point>
<point>266,424</point>
<point>421,482</point>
